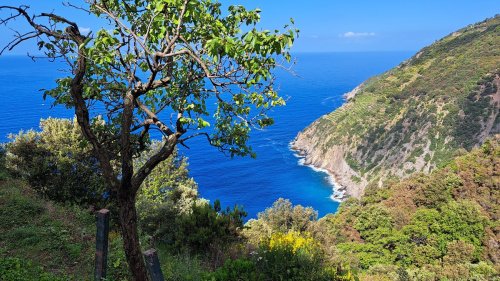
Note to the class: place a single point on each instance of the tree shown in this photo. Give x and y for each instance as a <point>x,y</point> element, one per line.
<point>184,61</point>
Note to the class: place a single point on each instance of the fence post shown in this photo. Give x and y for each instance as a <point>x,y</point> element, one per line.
<point>101,254</point>
<point>153,265</point>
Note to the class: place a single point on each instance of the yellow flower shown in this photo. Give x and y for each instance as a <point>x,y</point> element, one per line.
<point>294,240</point>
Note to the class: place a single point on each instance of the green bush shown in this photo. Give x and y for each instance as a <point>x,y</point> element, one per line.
<point>166,193</point>
<point>206,231</point>
<point>290,256</point>
<point>281,217</point>
<point>57,163</point>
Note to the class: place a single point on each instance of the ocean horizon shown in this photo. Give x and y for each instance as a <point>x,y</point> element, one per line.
<point>315,88</point>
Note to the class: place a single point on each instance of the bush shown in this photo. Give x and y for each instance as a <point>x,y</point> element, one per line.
<point>207,231</point>
<point>281,217</point>
<point>57,163</point>
<point>166,193</point>
<point>284,256</point>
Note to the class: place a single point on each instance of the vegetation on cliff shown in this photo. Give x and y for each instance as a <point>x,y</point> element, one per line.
<point>417,116</point>
<point>440,226</point>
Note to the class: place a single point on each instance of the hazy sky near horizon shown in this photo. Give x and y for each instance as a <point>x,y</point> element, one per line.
<point>331,25</point>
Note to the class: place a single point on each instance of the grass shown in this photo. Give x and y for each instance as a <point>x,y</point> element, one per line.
<point>35,233</point>
<point>44,241</point>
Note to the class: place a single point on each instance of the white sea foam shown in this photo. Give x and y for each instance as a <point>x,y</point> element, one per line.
<point>338,192</point>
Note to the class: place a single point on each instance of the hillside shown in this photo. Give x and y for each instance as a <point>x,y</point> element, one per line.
<point>41,240</point>
<point>415,117</point>
<point>440,226</point>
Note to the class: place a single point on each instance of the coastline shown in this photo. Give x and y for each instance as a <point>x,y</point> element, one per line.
<point>338,190</point>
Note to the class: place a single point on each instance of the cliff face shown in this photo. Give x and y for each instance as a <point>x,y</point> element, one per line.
<point>415,117</point>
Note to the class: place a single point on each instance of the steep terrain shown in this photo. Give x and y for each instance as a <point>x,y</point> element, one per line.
<point>439,226</point>
<point>415,117</point>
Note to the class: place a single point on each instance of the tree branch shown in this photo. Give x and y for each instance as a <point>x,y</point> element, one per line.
<point>155,120</point>
<point>166,150</point>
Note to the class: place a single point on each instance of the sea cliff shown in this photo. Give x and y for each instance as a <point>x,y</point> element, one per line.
<point>415,117</point>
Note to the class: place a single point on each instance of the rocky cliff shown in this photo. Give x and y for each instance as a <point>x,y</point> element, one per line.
<point>415,117</point>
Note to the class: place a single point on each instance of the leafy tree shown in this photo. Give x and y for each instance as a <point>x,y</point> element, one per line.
<point>210,70</point>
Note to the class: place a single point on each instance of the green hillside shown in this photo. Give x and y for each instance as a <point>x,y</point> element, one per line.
<point>441,226</point>
<point>415,117</point>
<point>41,240</point>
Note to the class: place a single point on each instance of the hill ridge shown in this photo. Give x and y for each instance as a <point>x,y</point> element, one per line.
<point>415,117</point>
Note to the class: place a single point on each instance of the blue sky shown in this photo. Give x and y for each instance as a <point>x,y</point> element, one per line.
<point>340,26</point>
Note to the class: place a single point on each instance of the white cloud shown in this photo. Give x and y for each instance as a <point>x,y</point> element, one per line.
<point>351,34</point>
<point>84,30</point>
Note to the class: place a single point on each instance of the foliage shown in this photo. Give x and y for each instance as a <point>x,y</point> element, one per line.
<point>281,217</point>
<point>180,267</point>
<point>294,241</point>
<point>58,163</point>
<point>3,169</point>
<point>172,215</point>
<point>284,256</point>
<point>168,192</point>
<point>168,183</point>
<point>207,231</point>
<point>427,227</point>
<point>289,237</point>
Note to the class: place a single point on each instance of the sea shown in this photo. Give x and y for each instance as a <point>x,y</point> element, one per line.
<point>315,86</point>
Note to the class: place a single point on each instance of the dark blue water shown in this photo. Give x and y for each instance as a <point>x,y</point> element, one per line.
<point>316,89</point>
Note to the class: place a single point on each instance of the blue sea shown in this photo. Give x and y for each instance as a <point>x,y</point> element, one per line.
<point>316,88</point>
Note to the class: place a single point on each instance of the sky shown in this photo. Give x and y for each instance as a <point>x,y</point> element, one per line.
<point>332,25</point>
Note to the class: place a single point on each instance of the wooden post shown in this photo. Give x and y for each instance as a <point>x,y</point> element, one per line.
<point>101,254</point>
<point>153,265</point>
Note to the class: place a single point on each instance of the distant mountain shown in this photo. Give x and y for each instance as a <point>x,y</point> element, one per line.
<point>415,117</point>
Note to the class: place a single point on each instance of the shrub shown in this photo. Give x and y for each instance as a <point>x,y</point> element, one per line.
<point>166,193</point>
<point>204,230</point>
<point>458,252</point>
<point>208,229</point>
<point>57,163</point>
<point>281,217</point>
<point>284,256</point>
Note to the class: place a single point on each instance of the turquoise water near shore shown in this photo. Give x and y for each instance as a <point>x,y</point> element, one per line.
<point>317,88</point>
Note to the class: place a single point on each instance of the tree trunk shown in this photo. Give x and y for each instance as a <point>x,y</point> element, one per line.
<point>128,225</point>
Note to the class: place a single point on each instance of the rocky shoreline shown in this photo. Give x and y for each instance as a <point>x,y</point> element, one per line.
<point>331,162</point>
<point>339,191</point>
